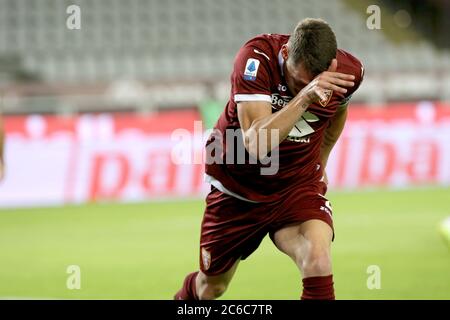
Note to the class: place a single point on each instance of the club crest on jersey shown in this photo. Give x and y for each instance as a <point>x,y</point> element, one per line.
<point>206,259</point>
<point>328,93</point>
<point>251,69</point>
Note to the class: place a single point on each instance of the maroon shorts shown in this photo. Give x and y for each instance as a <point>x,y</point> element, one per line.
<point>233,229</point>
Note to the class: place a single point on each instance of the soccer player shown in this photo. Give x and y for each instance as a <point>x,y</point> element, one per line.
<point>289,94</point>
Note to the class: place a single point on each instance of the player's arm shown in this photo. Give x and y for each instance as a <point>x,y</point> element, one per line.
<point>337,123</point>
<point>259,124</point>
<point>332,133</point>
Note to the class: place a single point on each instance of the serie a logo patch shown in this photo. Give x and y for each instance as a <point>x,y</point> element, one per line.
<point>251,69</point>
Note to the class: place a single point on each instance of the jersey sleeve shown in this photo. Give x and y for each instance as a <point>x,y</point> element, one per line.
<point>359,76</point>
<point>250,79</point>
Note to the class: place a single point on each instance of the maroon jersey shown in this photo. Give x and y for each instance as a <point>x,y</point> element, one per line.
<point>258,76</point>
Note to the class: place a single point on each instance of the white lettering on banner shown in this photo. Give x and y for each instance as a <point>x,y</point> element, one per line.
<point>54,161</point>
<point>394,154</point>
<point>34,177</point>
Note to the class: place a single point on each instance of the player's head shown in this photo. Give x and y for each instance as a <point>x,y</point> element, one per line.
<point>310,49</point>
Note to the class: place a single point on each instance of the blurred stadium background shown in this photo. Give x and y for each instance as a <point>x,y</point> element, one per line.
<point>89,114</point>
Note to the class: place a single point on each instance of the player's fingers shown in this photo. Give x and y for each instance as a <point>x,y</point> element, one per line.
<point>337,81</point>
<point>342,83</point>
<point>339,75</point>
<point>333,66</point>
<point>331,86</point>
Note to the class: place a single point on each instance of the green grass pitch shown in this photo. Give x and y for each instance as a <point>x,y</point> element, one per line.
<point>143,251</point>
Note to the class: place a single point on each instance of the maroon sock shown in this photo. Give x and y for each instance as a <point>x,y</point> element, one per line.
<point>188,292</point>
<point>318,288</point>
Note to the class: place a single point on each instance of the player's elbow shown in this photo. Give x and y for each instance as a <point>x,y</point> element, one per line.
<point>256,151</point>
<point>252,149</point>
<point>256,145</point>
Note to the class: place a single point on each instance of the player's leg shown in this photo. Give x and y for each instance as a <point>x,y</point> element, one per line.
<point>308,244</point>
<point>199,286</point>
<point>212,287</point>
<point>231,230</point>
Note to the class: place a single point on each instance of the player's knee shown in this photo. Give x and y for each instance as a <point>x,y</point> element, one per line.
<point>219,289</point>
<point>212,291</point>
<point>317,262</point>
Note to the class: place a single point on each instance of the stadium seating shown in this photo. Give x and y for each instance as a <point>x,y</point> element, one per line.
<point>154,40</point>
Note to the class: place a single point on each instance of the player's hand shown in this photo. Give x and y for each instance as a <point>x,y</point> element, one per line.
<point>327,80</point>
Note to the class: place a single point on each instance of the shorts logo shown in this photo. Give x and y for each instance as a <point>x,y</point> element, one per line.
<point>328,93</point>
<point>206,259</point>
<point>251,69</point>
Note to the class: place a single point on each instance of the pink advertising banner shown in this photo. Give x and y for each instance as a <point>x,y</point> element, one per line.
<point>54,160</point>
